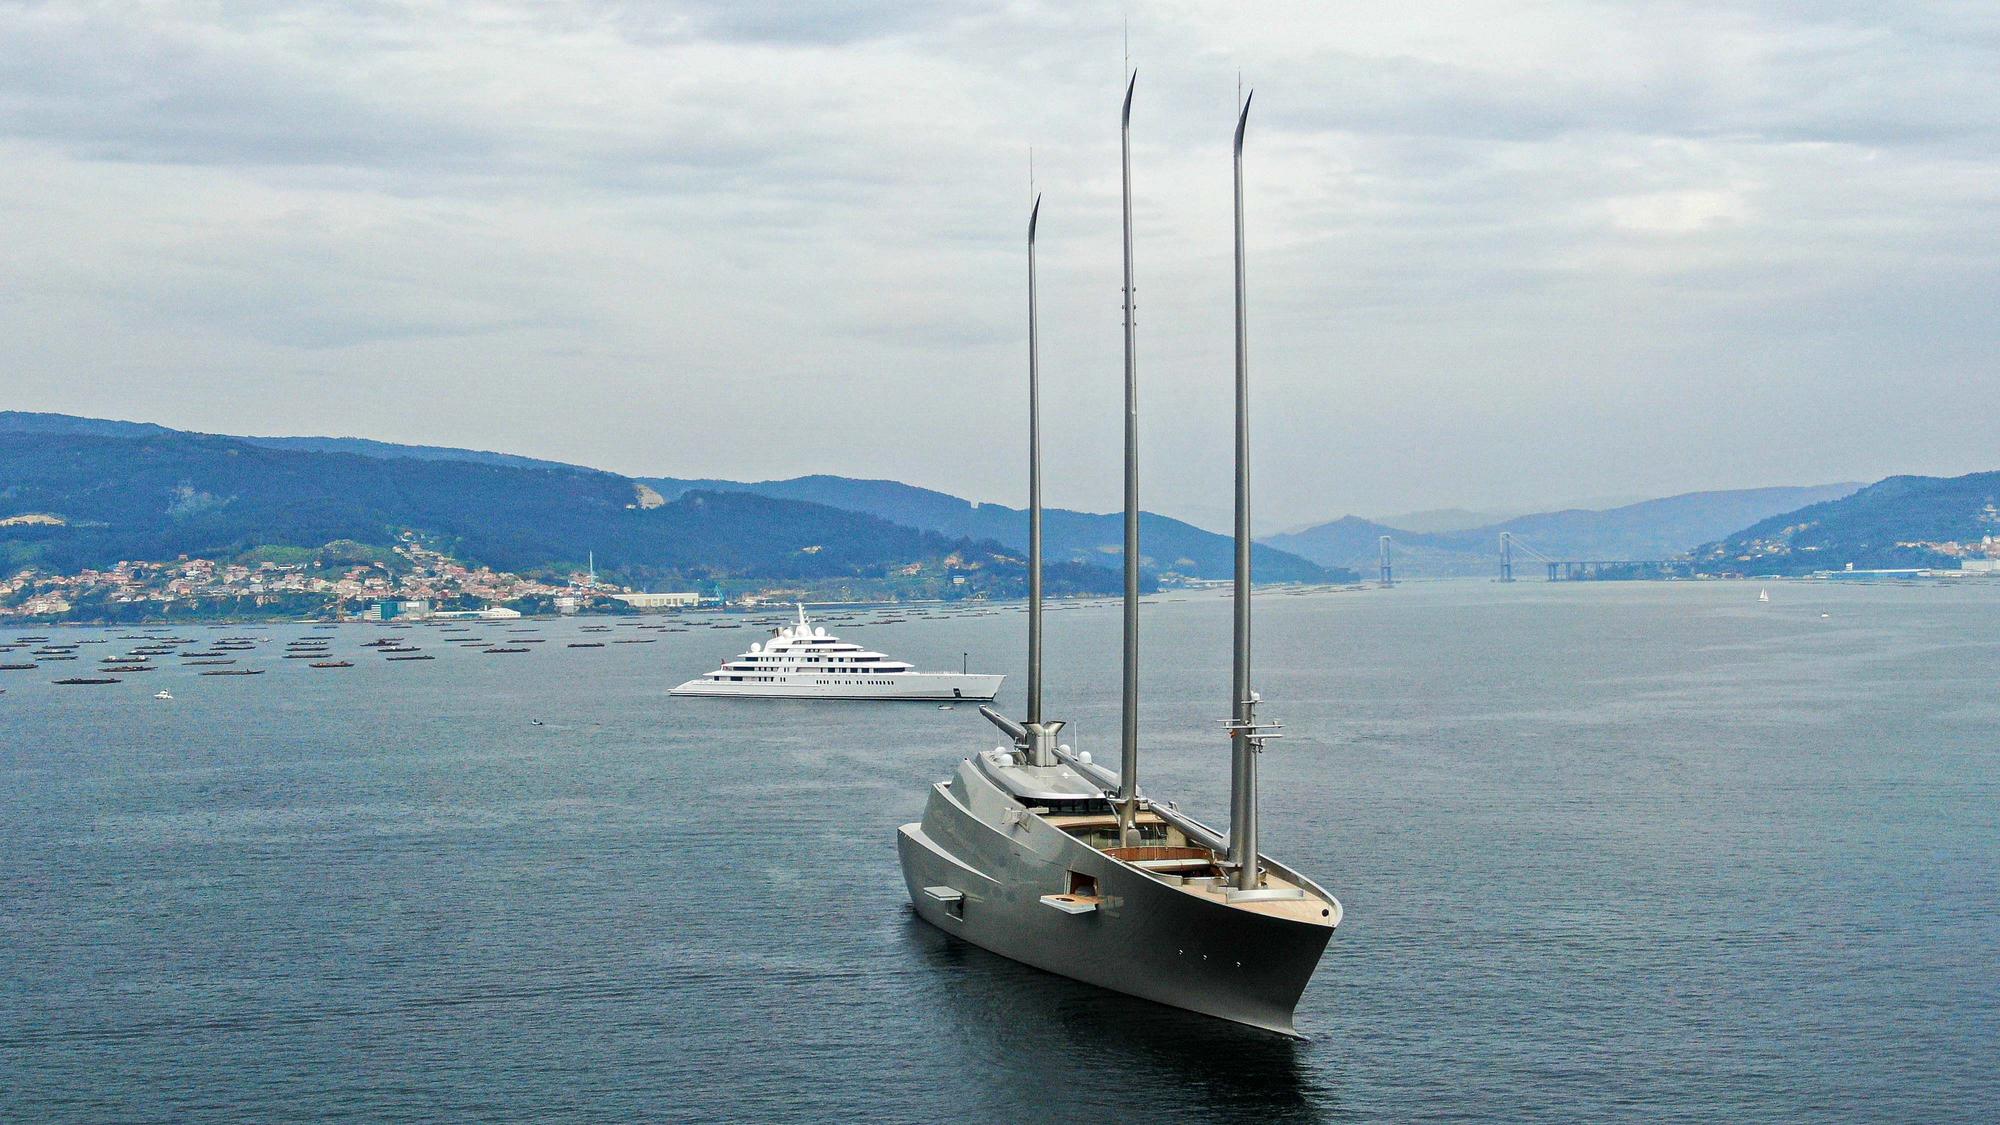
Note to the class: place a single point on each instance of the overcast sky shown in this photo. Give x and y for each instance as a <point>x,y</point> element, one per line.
<point>1501,255</point>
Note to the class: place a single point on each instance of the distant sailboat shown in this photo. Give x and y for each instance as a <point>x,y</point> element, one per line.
<point>1763,595</point>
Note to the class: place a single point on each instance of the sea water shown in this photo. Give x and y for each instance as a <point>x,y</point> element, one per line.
<point>1607,851</point>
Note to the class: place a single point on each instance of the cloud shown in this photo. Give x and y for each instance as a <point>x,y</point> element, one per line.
<point>638,235</point>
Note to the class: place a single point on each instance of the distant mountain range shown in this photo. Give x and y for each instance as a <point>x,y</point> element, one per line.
<point>1653,529</point>
<point>134,490</point>
<point>154,495</point>
<point>1897,522</point>
<point>210,494</point>
<point>1168,546</point>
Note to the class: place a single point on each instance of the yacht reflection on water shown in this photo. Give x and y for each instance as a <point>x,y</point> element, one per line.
<point>1100,1050</point>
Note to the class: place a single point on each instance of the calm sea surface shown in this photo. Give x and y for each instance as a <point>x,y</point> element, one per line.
<point>1607,851</point>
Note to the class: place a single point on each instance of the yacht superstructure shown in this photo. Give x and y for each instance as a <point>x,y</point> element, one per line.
<point>804,661</point>
<point>1036,853</point>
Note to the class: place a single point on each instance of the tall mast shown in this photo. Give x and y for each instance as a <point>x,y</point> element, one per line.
<point>1243,715</point>
<point>1128,732</point>
<point>1034,485</point>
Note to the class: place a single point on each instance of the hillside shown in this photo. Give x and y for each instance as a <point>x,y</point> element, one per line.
<point>1652,529</point>
<point>154,496</point>
<point>1898,522</point>
<point>1656,529</point>
<point>1168,545</point>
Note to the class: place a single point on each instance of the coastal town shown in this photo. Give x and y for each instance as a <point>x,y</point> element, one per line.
<point>408,580</point>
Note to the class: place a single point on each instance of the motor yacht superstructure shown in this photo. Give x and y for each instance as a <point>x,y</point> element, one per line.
<point>1035,852</point>
<point>804,661</point>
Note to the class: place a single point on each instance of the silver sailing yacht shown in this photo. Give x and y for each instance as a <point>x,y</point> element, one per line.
<point>1036,853</point>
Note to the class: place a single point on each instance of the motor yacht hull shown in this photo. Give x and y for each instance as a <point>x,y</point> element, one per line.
<point>913,686</point>
<point>1143,937</point>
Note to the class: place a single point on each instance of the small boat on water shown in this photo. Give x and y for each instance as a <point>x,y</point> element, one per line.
<point>196,663</point>
<point>235,672</point>
<point>18,667</point>
<point>163,693</point>
<point>128,668</point>
<point>331,664</point>
<point>572,644</point>
<point>501,649</point>
<point>1763,595</point>
<point>426,656</point>
<point>636,641</point>
<point>73,680</point>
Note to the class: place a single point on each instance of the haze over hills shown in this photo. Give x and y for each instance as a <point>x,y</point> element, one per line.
<point>1653,529</point>
<point>1435,520</point>
<point>1906,521</point>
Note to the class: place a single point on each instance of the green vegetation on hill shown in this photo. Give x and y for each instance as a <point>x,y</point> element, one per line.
<point>1080,546</point>
<point>156,495</point>
<point>1897,522</point>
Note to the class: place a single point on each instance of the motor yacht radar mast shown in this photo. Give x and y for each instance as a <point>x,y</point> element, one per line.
<point>1036,853</point>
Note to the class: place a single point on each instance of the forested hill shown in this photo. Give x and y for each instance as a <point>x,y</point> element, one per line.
<point>156,495</point>
<point>1167,545</point>
<point>1080,538</point>
<point>1897,522</point>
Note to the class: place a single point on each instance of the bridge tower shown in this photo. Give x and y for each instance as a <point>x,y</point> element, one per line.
<point>1388,576</point>
<point>1506,556</point>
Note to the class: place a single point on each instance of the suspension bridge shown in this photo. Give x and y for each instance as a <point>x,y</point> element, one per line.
<point>1589,570</point>
<point>1556,569</point>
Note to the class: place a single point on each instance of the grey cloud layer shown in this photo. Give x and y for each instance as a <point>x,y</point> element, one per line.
<point>1502,253</point>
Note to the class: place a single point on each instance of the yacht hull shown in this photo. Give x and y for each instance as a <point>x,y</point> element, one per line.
<point>913,686</point>
<point>1144,937</point>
